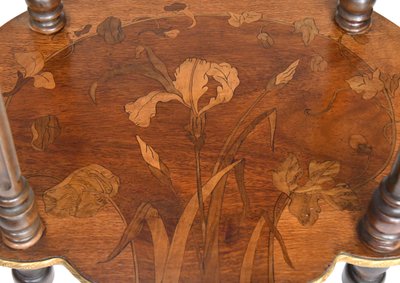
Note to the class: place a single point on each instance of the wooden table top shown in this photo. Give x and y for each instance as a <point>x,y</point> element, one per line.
<point>282,124</point>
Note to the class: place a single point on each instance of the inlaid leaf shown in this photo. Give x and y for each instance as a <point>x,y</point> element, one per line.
<point>367,85</point>
<point>32,62</point>
<point>359,143</point>
<point>305,208</point>
<point>178,244</point>
<point>287,75</point>
<point>83,193</point>
<point>44,80</point>
<point>175,7</point>
<point>173,33</point>
<point>157,168</point>
<point>158,65</point>
<point>252,16</point>
<point>307,28</point>
<point>265,39</point>
<point>149,155</point>
<point>318,64</point>
<point>342,197</point>
<point>146,213</point>
<point>356,140</point>
<point>391,83</point>
<point>237,20</point>
<point>181,7</point>
<point>92,91</point>
<point>163,175</point>
<point>45,131</point>
<point>83,30</point>
<point>111,30</point>
<point>286,176</point>
<point>144,108</point>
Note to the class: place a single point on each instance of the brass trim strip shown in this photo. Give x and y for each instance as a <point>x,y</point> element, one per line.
<point>43,264</point>
<point>359,261</point>
<point>342,257</point>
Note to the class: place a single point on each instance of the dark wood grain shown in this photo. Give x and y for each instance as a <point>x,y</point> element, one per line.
<point>286,156</point>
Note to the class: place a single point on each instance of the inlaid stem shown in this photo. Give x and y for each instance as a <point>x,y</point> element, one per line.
<point>19,220</point>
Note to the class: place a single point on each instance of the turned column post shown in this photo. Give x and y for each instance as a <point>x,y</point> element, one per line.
<point>43,275</point>
<point>46,16</point>
<point>358,274</point>
<point>354,16</point>
<point>379,229</point>
<point>20,224</point>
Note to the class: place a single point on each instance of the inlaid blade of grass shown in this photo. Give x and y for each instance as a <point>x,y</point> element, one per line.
<point>239,174</point>
<point>275,232</point>
<point>247,265</point>
<point>280,205</point>
<point>233,148</point>
<point>211,250</point>
<point>178,244</point>
<point>248,259</point>
<point>227,154</point>
<point>146,213</point>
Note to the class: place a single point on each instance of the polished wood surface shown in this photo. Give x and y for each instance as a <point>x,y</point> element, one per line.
<point>281,123</point>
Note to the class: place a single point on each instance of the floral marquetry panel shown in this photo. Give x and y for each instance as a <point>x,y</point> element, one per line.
<point>200,144</point>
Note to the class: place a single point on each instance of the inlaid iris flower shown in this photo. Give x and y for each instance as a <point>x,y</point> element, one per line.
<point>191,79</point>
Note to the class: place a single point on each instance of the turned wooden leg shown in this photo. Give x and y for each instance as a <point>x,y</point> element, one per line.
<point>46,16</point>
<point>379,229</point>
<point>20,224</point>
<point>357,274</point>
<point>43,275</point>
<point>354,16</point>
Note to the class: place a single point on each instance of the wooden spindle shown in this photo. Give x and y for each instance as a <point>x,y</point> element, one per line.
<point>354,16</point>
<point>379,229</point>
<point>358,274</point>
<point>46,16</point>
<point>43,275</point>
<point>20,224</point>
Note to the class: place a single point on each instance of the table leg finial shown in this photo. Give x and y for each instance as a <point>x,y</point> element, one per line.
<point>354,16</point>
<point>46,16</point>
